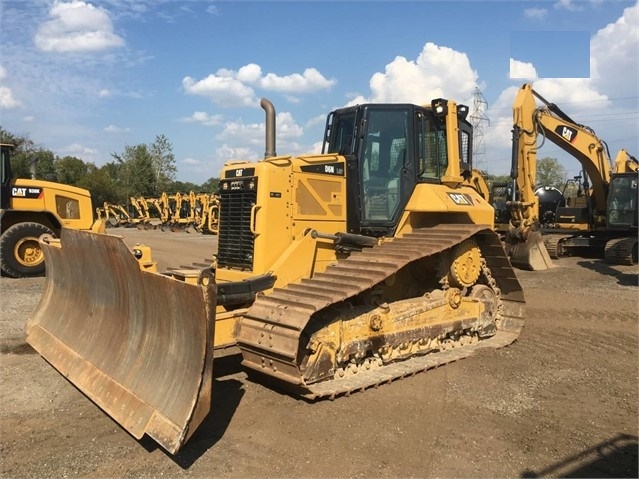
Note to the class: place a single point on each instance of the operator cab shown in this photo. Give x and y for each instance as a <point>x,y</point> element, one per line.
<point>622,201</point>
<point>389,148</point>
<point>5,150</point>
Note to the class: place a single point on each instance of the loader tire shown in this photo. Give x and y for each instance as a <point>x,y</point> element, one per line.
<point>20,253</point>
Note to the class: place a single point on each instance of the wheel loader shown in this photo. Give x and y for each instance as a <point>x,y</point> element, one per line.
<point>335,273</point>
<point>31,208</point>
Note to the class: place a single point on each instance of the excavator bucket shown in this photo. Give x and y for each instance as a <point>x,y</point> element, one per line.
<point>138,344</point>
<point>531,254</point>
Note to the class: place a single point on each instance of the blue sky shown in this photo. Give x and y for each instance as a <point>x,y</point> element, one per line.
<point>86,78</point>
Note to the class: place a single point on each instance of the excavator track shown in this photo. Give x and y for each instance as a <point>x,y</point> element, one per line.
<point>270,332</point>
<point>621,251</point>
<point>553,245</point>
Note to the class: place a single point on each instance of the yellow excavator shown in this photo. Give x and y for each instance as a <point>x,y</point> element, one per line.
<point>335,272</point>
<point>206,209</point>
<point>603,220</point>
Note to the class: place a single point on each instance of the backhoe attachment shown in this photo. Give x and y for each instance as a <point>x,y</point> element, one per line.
<point>137,343</point>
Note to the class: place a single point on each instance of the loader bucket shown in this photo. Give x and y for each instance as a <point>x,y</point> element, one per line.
<point>138,344</point>
<point>531,254</point>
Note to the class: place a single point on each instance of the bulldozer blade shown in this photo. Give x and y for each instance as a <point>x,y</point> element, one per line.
<point>531,254</point>
<point>138,344</point>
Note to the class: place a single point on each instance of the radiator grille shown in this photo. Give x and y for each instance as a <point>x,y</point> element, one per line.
<point>235,240</point>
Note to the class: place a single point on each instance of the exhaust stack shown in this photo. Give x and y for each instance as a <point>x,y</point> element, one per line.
<point>270,128</point>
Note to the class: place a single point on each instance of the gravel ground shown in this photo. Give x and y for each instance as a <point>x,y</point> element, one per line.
<point>560,401</point>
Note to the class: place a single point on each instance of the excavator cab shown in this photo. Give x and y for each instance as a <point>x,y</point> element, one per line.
<point>622,201</point>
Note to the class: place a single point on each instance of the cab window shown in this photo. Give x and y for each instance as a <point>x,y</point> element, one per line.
<point>432,152</point>
<point>67,208</point>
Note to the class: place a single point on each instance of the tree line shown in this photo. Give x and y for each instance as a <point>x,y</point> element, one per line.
<point>549,173</point>
<point>141,170</point>
<point>149,169</point>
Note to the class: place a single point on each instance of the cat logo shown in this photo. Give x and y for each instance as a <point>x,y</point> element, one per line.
<point>17,192</point>
<point>461,199</point>
<point>567,133</point>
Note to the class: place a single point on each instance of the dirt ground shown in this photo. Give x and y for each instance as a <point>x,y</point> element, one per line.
<point>561,401</point>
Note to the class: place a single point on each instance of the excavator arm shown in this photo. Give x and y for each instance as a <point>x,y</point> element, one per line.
<point>577,140</point>
<point>625,163</point>
<point>523,239</point>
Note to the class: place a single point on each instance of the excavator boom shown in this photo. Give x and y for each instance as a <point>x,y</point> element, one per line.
<point>136,343</point>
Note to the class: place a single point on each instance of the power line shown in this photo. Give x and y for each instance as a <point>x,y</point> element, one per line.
<point>478,119</point>
<point>579,102</point>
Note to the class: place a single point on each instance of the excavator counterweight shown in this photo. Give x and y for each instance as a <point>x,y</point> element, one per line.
<point>138,344</point>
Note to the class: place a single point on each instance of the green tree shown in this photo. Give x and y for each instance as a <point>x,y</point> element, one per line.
<point>136,174</point>
<point>42,160</point>
<point>550,173</point>
<point>182,187</point>
<point>497,179</point>
<point>101,185</point>
<point>212,185</point>
<point>163,159</point>
<point>70,170</point>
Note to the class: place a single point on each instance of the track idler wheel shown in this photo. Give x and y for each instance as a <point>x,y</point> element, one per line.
<point>466,266</point>
<point>487,296</point>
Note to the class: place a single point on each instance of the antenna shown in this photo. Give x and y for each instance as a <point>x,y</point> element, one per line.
<point>478,119</point>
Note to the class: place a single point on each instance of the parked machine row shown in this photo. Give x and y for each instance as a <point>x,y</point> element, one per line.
<point>198,212</point>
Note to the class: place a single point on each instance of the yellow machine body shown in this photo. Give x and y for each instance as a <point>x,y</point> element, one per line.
<point>334,273</point>
<point>31,208</point>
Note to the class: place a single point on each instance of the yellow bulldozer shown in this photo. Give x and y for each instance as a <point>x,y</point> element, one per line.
<point>335,272</point>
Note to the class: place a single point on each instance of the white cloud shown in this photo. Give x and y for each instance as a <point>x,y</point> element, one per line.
<point>116,129</point>
<point>227,153</point>
<point>523,70</point>
<point>536,13</point>
<point>231,88</point>
<point>76,26</point>
<point>7,100</point>
<point>78,150</point>
<point>309,81</point>
<point>203,118</point>
<point>250,73</point>
<point>614,63</point>
<point>567,5</point>
<point>222,89</point>
<point>287,128</point>
<point>105,93</point>
<point>437,72</point>
<point>213,10</point>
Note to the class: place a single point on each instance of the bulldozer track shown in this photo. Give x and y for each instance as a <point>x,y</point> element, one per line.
<point>621,251</point>
<point>270,332</point>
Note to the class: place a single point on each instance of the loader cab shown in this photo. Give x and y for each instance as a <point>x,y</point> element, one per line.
<point>622,201</point>
<point>5,151</point>
<point>389,148</point>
